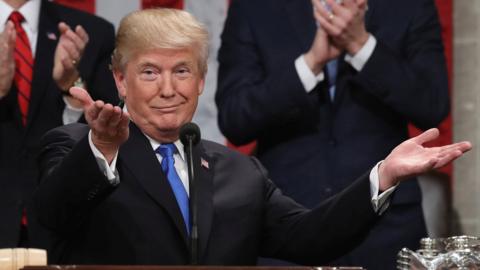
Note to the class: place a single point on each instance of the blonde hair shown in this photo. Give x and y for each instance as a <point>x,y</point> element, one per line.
<point>160,28</point>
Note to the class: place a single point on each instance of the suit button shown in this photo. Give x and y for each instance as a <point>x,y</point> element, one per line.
<point>332,142</point>
<point>328,190</point>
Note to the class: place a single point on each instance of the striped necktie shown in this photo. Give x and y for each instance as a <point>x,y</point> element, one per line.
<point>23,65</point>
<point>166,151</point>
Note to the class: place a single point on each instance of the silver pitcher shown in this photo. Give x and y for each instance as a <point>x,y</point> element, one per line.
<point>456,252</point>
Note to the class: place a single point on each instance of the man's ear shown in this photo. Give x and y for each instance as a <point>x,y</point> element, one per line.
<point>201,86</point>
<point>121,83</point>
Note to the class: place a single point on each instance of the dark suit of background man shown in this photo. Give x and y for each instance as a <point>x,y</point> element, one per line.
<point>111,194</point>
<point>58,55</point>
<point>314,139</point>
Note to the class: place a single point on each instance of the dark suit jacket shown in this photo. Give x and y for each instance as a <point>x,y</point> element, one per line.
<point>311,146</point>
<point>19,145</point>
<point>241,212</point>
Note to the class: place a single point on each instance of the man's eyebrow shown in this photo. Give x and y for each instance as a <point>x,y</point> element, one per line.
<point>146,63</point>
<point>184,63</point>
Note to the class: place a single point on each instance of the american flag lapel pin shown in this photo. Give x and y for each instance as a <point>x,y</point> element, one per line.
<point>51,36</point>
<point>204,163</point>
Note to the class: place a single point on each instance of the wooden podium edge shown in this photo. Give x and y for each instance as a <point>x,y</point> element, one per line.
<point>186,267</point>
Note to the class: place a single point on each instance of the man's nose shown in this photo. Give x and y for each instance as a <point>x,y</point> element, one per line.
<point>166,86</point>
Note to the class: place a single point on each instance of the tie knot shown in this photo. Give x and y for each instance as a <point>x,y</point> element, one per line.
<point>166,150</point>
<point>16,17</point>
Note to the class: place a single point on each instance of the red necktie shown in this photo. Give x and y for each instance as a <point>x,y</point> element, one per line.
<point>23,65</point>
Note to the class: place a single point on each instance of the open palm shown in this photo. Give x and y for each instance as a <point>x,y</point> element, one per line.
<point>412,158</point>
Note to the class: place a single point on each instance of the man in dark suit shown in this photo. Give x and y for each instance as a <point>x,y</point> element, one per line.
<point>46,48</point>
<point>327,93</point>
<point>113,192</point>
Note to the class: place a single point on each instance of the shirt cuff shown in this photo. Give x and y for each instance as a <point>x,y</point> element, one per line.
<point>70,113</point>
<point>359,60</point>
<point>380,202</point>
<point>110,171</point>
<point>308,79</point>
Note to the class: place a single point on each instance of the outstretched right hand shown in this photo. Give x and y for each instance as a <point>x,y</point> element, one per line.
<point>109,124</point>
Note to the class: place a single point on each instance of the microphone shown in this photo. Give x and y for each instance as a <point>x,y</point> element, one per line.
<point>190,136</point>
<point>189,131</point>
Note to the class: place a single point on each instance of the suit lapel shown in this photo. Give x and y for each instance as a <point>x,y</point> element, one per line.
<point>138,156</point>
<point>300,14</point>
<point>42,73</point>
<point>203,166</point>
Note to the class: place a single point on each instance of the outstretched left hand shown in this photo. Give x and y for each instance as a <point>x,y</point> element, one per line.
<point>412,158</point>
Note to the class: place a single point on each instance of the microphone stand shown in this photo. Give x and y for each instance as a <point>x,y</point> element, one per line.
<point>193,204</point>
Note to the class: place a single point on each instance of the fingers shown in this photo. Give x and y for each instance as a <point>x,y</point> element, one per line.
<point>449,157</point>
<point>105,115</point>
<point>10,34</point>
<point>63,27</point>
<point>124,120</point>
<point>68,54</point>
<point>8,37</point>
<point>362,4</point>
<point>92,112</point>
<point>68,64</point>
<point>461,146</point>
<point>71,49</point>
<point>79,38</point>
<point>82,95</point>
<point>7,61</point>
<point>342,10</point>
<point>110,121</point>
<point>82,33</point>
<point>464,146</point>
<point>449,153</point>
<point>426,136</point>
<point>73,42</point>
<point>334,18</point>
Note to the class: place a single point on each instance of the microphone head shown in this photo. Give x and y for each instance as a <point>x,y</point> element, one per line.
<point>190,131</point>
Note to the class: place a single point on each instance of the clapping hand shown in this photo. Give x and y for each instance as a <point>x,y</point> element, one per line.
<point>344,23</point>
<point>68,54</point>
<point>7,62</point>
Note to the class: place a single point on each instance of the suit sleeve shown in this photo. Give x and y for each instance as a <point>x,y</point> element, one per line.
<point>71,181</point>
<point>317,236</point>
<point>412,80</point>
<point>250,98</point>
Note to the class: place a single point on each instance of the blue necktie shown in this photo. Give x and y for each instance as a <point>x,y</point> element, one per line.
<point>166,151</point>
<point>332,76</point>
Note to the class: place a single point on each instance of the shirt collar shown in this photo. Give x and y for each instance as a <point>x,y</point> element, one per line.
<point>177,143</point>
<point>5,11</point>
<point>30,11</point>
